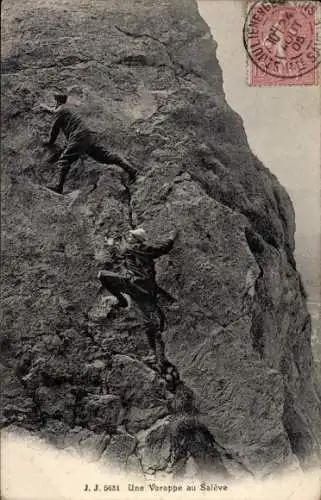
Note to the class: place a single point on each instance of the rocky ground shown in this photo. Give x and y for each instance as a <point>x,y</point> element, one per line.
<point>147,78</point>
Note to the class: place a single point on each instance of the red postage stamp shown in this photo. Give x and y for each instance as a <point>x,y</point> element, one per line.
<point>282,40</point>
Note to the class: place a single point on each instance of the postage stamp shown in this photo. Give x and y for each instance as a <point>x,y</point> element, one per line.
<point>283,42</point>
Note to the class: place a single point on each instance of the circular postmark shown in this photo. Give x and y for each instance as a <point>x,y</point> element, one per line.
<point>282,37</point>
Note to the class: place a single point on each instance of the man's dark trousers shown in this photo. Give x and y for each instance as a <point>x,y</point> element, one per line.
<point>76,148</point>
<point>143,293</point>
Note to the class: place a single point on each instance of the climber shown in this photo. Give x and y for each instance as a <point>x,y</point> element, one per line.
<point>80,141</point>
<point>138,281</point>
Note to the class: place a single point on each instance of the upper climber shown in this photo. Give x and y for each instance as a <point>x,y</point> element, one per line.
<point>80,140</point>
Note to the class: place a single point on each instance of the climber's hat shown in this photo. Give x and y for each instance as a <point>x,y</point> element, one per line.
<point>139,233</point>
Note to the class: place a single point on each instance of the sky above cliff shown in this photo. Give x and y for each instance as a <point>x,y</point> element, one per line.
<point>282,124</point>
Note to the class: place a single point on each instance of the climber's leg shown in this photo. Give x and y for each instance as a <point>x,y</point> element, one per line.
<point>68,157</point>
<point>165,295</point>
<point>102,155</point>
<point>115,284</point>
<point>153,325</point>
<point>56,153</point>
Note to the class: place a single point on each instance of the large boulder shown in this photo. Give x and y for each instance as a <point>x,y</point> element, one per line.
<point>147,78</point>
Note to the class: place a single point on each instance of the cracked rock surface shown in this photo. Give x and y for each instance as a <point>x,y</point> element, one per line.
<point>73,369</point>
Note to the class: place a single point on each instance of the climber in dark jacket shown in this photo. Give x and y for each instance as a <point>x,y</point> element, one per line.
<point>139,281</point>
<point>80,140</point>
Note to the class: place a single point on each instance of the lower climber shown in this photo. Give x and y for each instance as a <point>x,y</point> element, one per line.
<point>138,281</point>
<point>80,141</point>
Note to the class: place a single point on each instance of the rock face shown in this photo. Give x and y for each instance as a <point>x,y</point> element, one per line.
<point>147,78</point>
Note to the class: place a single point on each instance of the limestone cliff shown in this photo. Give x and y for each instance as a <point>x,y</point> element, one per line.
<point>148,80</point>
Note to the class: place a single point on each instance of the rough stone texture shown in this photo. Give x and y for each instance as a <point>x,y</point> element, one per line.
<point>101,413</point>
<point>119,450</point>
<point>149,82</point>
<point>154,449</point>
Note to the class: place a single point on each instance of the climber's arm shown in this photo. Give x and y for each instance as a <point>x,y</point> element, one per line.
<point>54,131</point>
<point>162,249</point>
<point>47,109</point>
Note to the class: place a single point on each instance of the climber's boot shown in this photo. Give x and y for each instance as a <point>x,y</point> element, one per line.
<point>55,189</point>
<point>171,376</point>
<point>123,302</point>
